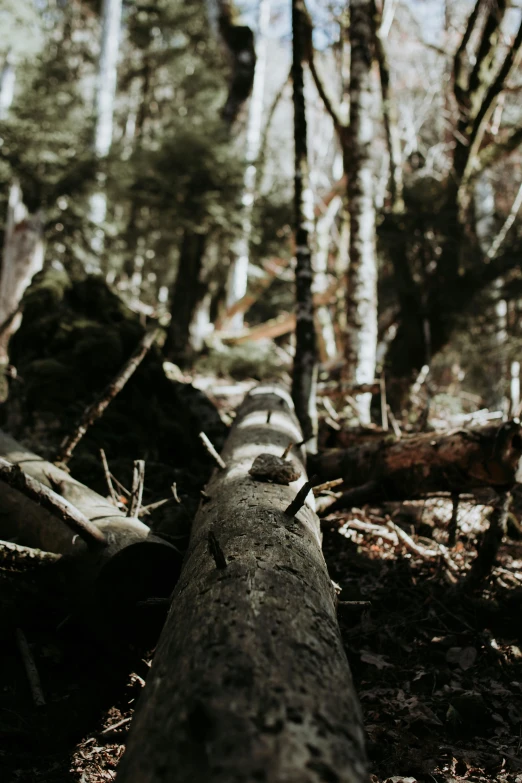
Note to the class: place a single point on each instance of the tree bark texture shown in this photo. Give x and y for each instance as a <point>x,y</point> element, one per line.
<point>304,369</point>
<point>456,461</point>
<point>250,680</point>
<point>186,295</point>
<point>361,322</point>
<point>23,257</point>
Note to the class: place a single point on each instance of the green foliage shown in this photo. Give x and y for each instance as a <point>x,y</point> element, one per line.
<point>257,359</point>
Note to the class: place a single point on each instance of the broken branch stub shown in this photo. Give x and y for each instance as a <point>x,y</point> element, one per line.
<point>250,680</point>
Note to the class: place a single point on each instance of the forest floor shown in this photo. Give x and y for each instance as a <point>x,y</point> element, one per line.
<point>438,670</point>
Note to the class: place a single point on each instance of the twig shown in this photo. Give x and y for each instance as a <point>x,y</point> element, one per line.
<point>215,550</point>
<point>108,478</point>
<point>23,556</point>
<point>354,603</point>
<point>96,409</point>
<point>174,489</point>
<point>153,506</point>
<point>384,406</point>
<point>453,524</point>
<point>212,451</point>
<point>120,486</point>
<point>371,529</point>
<point>327,485</point>
<point>410,544</point>
<point>299,500</point>
<point>30,669</point>
<point>288,449</point>
<point>138,480</point>
<point>394,423</point>
<point>14,476</point>
<point>357,496</point>
<point>115,726</point>
<point>500,237</point>
<point>268,417</point>
<point>329,408</point>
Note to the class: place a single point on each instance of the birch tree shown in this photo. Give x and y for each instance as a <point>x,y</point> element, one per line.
<point>238,274</point>
<point>361,320</point>
<point>104,111</point>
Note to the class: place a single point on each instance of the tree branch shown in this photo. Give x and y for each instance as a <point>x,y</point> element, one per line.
<point>493,153</point>
<point>328,105</point>
<point>479,123</point>
<point>460,83</point>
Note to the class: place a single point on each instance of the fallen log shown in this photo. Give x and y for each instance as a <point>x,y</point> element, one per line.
<point>250,680</point>
<point>131,565</point>
<point>456,461</point>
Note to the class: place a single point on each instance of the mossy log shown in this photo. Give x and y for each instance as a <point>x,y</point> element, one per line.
<point>250,680</point>
<point>457,461</point>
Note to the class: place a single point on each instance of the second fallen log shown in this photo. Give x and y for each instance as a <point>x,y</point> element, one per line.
<point>456,461</point>
<point>250,680</point>
<point>129,565</point>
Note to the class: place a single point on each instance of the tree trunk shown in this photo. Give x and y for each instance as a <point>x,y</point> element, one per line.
<point>361,326</point>
<point>238,273</point>
<point>7,84</point>
<point>105,94</point>
<point>250,680</point>
<point>304,369</point>
<point>186,295</point>
<point>456,461</point>
<point>23,257</point>
<point>389,114</point>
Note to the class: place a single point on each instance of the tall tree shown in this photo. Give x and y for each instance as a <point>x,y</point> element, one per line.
<point>361,319</point>
<point>238,274</point>
<point>104,111</point>
<point>304,369</point>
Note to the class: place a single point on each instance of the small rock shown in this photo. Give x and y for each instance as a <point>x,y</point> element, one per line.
<point>269,467</point>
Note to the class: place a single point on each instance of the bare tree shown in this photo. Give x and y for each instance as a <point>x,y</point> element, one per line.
<point>304,370</point>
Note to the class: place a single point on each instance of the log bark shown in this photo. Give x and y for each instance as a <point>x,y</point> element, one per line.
<point>456,461</point>
<point>250,680</point>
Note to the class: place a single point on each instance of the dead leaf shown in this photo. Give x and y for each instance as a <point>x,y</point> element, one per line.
<point>374,660</point>
<point>464,657</point>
